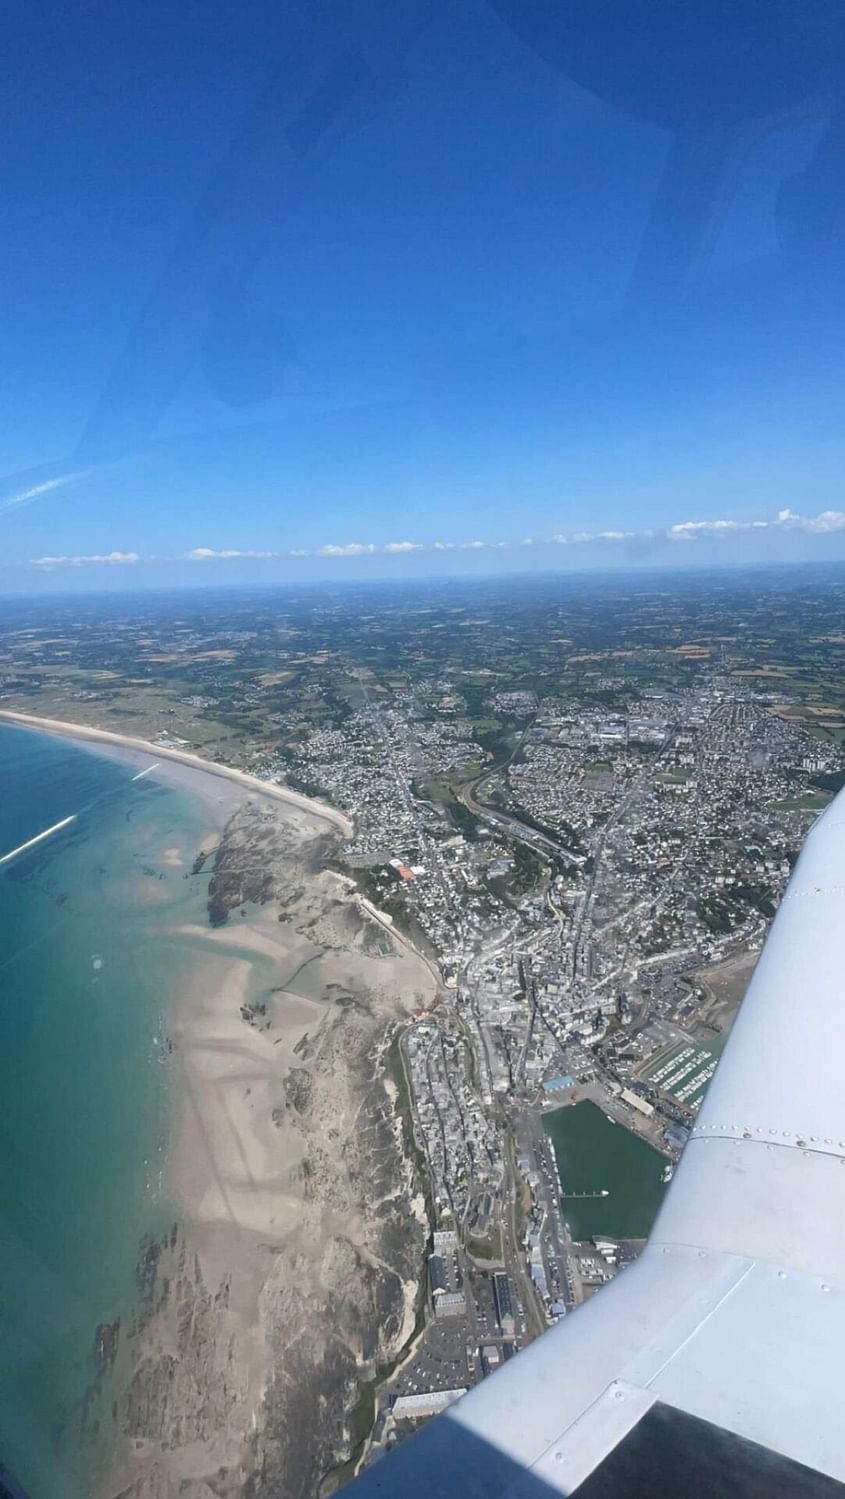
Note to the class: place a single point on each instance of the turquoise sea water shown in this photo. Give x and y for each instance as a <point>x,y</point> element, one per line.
<point>88,966</point>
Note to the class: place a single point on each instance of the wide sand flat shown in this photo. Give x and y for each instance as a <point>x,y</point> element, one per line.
<point>293,1270</point>
<point>299,1251</point>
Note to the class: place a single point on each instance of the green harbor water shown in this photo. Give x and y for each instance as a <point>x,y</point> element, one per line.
<point>594,1154</point>
<point>89,964</point>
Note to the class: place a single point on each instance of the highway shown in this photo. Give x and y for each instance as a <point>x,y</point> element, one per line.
<point>507,822</point>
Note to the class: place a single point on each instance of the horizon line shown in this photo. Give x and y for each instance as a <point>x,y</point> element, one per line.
<point>693,567</point>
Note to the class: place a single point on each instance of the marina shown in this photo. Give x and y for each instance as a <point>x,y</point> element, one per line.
<point>590,1149</point>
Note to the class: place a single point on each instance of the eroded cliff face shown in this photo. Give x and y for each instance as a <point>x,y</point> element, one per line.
<point>268,1312</point>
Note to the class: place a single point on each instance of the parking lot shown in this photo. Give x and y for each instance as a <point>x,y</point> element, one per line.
<point>441,1363</point>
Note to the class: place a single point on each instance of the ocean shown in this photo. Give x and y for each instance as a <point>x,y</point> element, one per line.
<point>88,966</point>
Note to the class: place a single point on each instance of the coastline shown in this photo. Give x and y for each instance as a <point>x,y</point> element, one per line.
<point>106,738</point>
<point>105,741</point>
<point>295,1271</point>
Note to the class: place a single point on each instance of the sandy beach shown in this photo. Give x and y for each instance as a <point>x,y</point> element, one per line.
<point>293,1270</point>
<point>105,739</point>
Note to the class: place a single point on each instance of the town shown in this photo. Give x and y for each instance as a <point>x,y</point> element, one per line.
<point>581,803</point>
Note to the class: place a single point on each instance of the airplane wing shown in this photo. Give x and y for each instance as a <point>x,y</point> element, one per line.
<point>714,1364</point>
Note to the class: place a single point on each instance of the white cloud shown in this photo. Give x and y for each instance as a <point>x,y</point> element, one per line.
<point>827,520</point>
<point>687,529</point>
<point>565,539</point>
<point>108,559</point>
<point>720,527</point>
<point>208,554</point>
<point>351,549</point>
<point>785,520</point>
<point>26,496</point>
<point>248,554</point>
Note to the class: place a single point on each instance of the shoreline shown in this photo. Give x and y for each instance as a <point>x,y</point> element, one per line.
<point>106,737</point>
<point>296,1204</point>
<point>286,1161</point>
<point>106,740</point>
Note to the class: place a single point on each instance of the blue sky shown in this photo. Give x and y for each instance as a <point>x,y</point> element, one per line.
<point>387,289</point>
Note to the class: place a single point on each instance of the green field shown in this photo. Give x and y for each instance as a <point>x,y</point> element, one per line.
<point>809,801</point>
